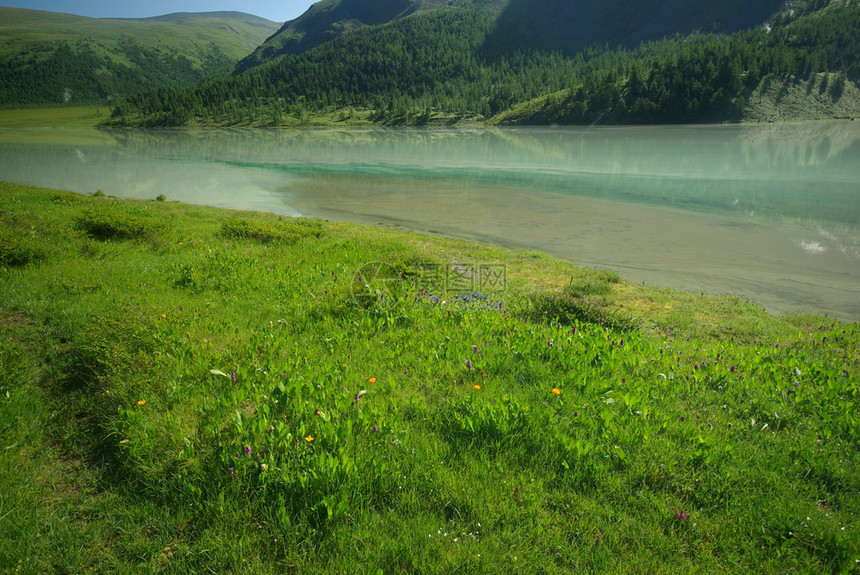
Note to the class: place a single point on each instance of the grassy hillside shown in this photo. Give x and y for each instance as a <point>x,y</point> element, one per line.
<point>47,57</point>
<point>184,389</point>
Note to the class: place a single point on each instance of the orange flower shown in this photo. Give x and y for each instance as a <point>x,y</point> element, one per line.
<point>477,387</point>
<point>141,401</point>
<point>309,438</point>
<point>164,315</point>
<point>372,380</point>
<point>556,391</point>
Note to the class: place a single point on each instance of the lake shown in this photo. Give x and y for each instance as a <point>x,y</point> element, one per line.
<point>767,212</point>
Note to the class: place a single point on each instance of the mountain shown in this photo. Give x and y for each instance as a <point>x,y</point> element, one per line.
<point>565,25</point>
<point>572,25</point>
<point>47,57</point>
<point>418,62</point>
<point>328,19</point>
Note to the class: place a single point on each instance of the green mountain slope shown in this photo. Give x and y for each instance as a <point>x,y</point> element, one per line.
<point>47,57</point>
<point>572,25</point>
<point>436,66</point>
<point>566,25</point>
<point>328,19</point>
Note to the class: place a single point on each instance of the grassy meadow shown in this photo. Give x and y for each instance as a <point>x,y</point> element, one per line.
<point>191,390</point>
<point>54,117</point>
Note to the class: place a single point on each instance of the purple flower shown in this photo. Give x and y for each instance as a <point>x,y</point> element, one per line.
<point>357,397</point>
<point>516,489</point>
<point>375,428</point>
<point>231,471</point>
<point>681,516</point>
<point>247,450</point>
<point>732,369</point>
<point>468,364</point>
<point>233,375</point>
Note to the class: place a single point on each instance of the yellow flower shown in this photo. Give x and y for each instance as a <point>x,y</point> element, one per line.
<point>556,391</point>
<point>141,401</point>
<point>164,315</point>
<point>372,380</point>
<point>309,438</point>
<point>477,387</point>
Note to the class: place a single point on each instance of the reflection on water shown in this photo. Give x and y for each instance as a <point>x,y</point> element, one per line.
<point>768,212</point>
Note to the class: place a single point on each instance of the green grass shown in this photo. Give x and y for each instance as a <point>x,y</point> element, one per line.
<point>237,392</point>
<point>58,116</point>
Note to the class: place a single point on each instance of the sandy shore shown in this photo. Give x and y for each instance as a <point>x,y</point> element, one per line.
<point>785,268</point>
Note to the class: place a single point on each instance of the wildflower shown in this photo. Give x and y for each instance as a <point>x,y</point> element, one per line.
<point>231,471</point>
<point>468,364</point>
<point>556,391</point>
<point>233,375</point>
<point>477,387</point>
<point>309,438</point>
<point>263,467</point>
<point>372,380</point>
<point>141,401</point>
<point>375,428</point>
<point>247,450</point>
<point>576,414</point>
<point>163,316</point>
<point>681,516</point>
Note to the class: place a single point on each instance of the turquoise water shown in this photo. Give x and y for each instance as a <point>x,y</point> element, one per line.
<point>771,213</point>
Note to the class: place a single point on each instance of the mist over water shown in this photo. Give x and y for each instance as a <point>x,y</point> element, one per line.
<point>771,213</point>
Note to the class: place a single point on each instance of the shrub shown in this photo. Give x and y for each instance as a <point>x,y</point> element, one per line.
<point>116,223</point>
<point>282,230</point>
<point>18,241</point>
<point>572,305</point>
<point>16,251</point>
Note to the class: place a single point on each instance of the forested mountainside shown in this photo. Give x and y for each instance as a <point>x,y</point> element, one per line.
<point>450,63</point>
<point>51,58</point>
<point>565,25</point>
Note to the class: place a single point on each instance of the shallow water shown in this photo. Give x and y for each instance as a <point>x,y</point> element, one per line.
<point>771,213</point>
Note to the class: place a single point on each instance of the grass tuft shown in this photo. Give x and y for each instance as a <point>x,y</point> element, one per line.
<point>114,221</point>
<point>283,230</point>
